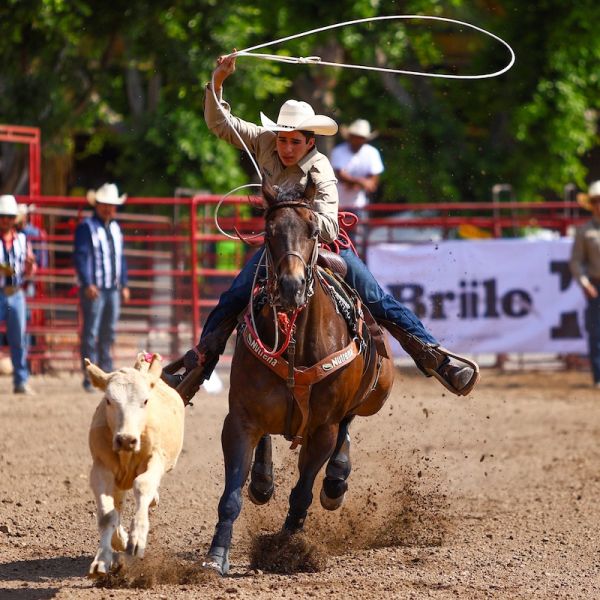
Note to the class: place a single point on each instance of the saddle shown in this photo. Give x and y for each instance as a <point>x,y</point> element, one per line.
<point>332,261</point>
<point>347,300</point>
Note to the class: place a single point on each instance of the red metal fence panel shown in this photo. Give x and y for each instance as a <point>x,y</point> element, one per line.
<point>179,262</point>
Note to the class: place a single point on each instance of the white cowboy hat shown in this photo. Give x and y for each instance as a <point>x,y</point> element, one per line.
<point>295,115</point>
<point>107,194</point>
<point>360,128</point>
<point>584,200</point>
<point>8,205</point>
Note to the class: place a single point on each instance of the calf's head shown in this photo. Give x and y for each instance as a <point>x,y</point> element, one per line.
<point>126,396</point>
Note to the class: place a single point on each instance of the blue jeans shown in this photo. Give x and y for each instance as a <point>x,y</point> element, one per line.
<point>592,322</point>
<point>99,324</point>
<point>13,311</point>
<point>381,305</point>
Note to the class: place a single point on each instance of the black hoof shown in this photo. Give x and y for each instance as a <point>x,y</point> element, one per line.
<point>261,485</point>
<point>258,496</point>
<point>333,493</point>
<point>217,560</point>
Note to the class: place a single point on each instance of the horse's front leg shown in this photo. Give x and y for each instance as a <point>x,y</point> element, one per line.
<point>145,490</point>
<point>237,452</point>
<point>316,449</point>
<point>338,469</point>
<point>261,485</point>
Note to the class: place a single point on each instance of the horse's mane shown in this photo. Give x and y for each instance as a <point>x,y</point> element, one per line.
<point>288,193</point>
<point>282,194</point>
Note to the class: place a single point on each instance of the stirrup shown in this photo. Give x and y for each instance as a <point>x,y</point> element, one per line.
<point>466,390</point>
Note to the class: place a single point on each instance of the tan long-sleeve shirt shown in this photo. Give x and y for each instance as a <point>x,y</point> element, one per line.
<point>262,143</point>
<point>585,254</point>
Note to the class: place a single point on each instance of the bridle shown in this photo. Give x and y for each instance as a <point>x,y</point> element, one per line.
<point>282,320</point>
<point>273,267</point>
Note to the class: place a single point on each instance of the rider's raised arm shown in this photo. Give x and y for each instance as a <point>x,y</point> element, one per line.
<point>224,127</point>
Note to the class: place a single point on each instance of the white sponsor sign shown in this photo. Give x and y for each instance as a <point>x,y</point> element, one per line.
<point>488,295</point>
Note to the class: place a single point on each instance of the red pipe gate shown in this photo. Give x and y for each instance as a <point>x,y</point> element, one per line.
<point>179,263</point>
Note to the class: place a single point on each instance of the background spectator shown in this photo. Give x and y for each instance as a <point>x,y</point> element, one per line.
<point>357,165</point>
<point>35,235</point>
<point>17,263</point>
<point>585,267</point>
<point>102,274</point>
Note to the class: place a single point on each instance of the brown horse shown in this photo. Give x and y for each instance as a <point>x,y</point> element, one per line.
<point>327,374</point>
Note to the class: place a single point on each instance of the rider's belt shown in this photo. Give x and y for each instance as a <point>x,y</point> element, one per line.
<point>9,290</point>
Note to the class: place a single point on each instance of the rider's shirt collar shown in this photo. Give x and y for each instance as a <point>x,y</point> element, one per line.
<point>308,160</point>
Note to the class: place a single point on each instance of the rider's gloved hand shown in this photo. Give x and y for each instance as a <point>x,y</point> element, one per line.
<point>193,358</point>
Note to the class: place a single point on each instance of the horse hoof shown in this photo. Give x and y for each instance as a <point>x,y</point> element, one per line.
<point>259,497</point>
<point>217,560</point>
<point>293,525</point>
<point>329,503</point>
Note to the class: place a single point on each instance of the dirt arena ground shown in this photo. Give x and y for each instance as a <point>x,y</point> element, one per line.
<point>494,496</point>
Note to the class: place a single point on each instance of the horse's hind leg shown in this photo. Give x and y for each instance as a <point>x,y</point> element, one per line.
<point>316,449</point>
<point>338,470</point>
<point>261,485</point>
<point>237,452</point>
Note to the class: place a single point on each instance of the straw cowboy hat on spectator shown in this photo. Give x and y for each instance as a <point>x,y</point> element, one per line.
<point>8,206</point>
<point>359,128</point>
<point>107,194</point>
<point>295,115</point>
<point>593,195</point>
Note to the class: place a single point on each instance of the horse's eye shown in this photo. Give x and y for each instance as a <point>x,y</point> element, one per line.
<point>107,400</point>
<point>145,401</point>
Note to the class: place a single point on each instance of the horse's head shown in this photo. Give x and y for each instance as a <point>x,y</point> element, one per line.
<point>291,240</point>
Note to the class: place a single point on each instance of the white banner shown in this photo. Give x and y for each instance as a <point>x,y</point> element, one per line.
<point>479,296</point>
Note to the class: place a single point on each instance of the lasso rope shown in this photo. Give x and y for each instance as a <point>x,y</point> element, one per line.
<point>317,60</point>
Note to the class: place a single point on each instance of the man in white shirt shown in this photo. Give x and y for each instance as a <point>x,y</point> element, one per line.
<point>357,166</point>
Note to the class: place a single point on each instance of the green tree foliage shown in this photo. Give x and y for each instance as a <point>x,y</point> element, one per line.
<point>127,79</point>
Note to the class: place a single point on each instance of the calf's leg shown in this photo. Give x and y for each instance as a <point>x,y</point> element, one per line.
<point>119,538</point>
<point>103,485</point>
<point>145,489</point>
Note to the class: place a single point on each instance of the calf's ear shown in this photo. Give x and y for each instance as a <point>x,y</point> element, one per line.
<point>155,370</point>
<point>97,376</point>
<point>140,361</point>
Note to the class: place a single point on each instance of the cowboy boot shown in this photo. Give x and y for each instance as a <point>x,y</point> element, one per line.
<point>456,373</point>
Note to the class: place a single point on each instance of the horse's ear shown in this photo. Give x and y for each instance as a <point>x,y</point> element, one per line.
<point>269,191</point>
